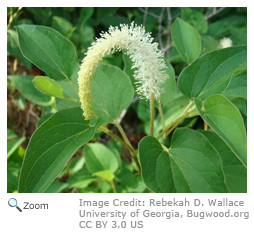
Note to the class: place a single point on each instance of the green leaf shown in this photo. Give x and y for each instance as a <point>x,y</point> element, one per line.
<point>76,164</point>
<point>85,36</point>
<point>241,105</point>
<point>169,86</point>
<point>173,109</point>
<point>106,175</point>
<point>16,159</point>
<point>99,157</point>
<point>211,73</point>
<point>12,182</point>
<point>14,50</point>
<point>238,36</point>
<point>69,93</point>
<point>13,145</point>
<point>137,185</point>
<point>20,102</point>
<point>81,179</point>
<point>26,88</point>
<point>116,148</point>
<point>235,172</point>
<point>85,14</point>
<point>195,18</point>
<point>63,26</point>
<point>41,15</point>
<point>143,110</point>
<point>191,164</point>
<point>221,28</point>
<point>62,104</point>
<point>225,119</point>
<point>48,86</point>
<point>103,186</point>
<point>11,134</point>
<point>13,167</point>
<point>48,50</point>
<point>186,40</point>
<point>125,176</point>
<point>209,43</point>
<point>56,187</point>
<point>51,146</point>
<point>237,87</point>
<point>43,118</point>
<point>112,92</point>
<point>112,20</point>
<point>70,90</point>
<point>174,55</point>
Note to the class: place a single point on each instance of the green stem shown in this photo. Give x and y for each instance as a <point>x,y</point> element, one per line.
<point>133,152</point>
<point>151,113</point>
<point>134,156</point>
<point>71,100</point>
<point>73,86</point>
<point>182,116</point>
<point>162,122</point>
<point>53,104</point>
<point>95,115</point>
<point>67,170</point>
<point>113,186</point>
<point>164,148</point>
<point>125,138</point>
<point>173,127</point>
<point>12,17</point>
<point>104,129</point>
<point>125,142</point>
<point>205,126</point>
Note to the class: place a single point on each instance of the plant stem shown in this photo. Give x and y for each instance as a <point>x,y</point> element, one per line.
<point>182,116</point>
<point>53,104</point>
<point>104,129</point>
<point>73,86</point>
<point>214,12</point>
<point>167,48</point>
<point>12,17</point>
<point>126,140</point>
<point>162,122</point>
<point>67,170</point>
<point>113,186</point>
<point>205,126</point>
<point>107,131</point>
<point>95,115</point>
<point>15,64</point>
<point>151,113</point>
<point>71,100</point>
<point>134,156</point>
<point>173,127</point>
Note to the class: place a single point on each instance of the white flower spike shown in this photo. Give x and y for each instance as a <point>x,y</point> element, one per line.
<point>145,55</point>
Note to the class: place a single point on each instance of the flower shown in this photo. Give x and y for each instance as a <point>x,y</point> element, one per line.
<point>144,53</point>
<point>225,42</point>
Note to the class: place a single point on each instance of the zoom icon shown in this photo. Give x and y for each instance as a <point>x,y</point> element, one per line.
<point>13,203</point>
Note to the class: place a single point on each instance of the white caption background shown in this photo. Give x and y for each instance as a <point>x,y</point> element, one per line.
<point>63,213</point>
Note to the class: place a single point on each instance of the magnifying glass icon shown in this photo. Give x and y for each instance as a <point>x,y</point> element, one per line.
<point>13,203</point>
